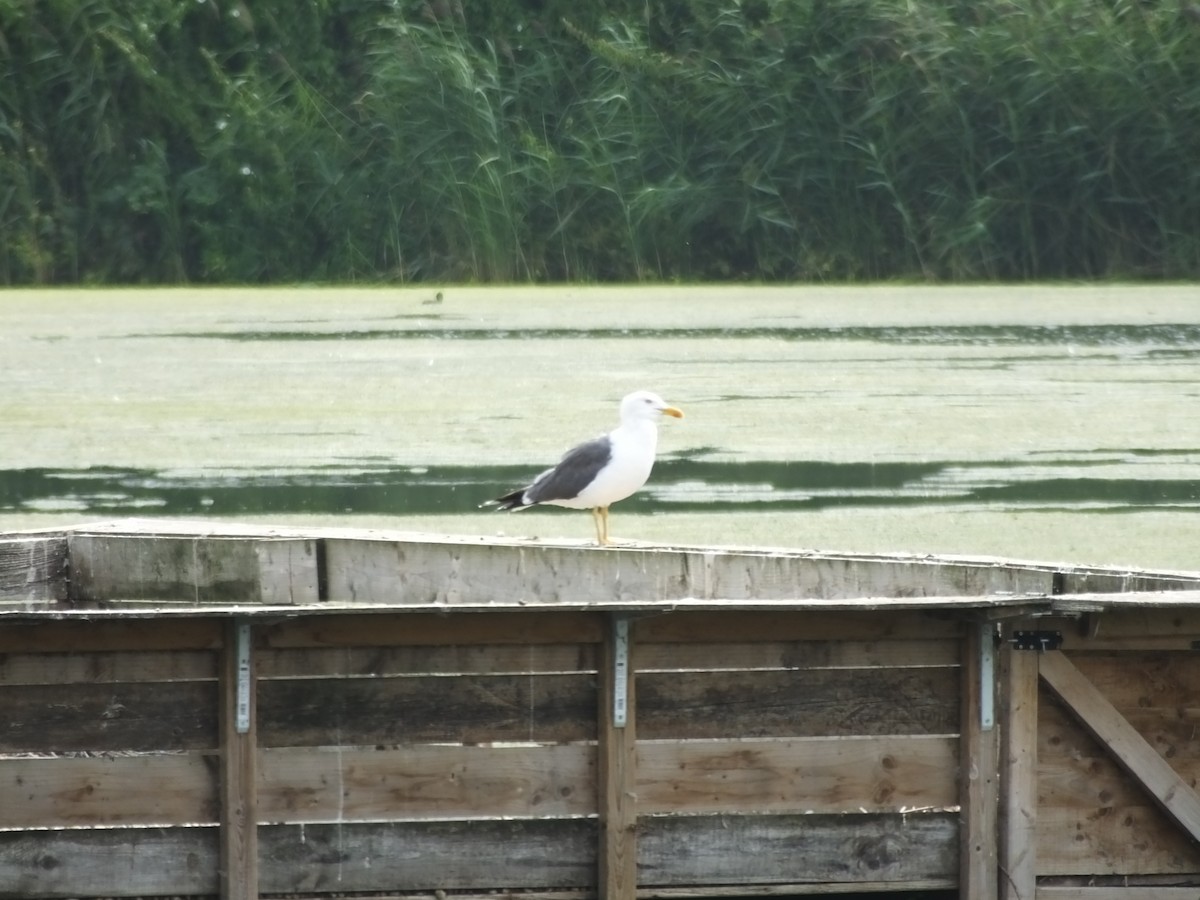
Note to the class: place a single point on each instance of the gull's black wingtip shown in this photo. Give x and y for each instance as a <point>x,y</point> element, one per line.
<point>513,500</point>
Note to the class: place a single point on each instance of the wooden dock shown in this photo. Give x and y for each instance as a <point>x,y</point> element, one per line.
<point>190,710</point>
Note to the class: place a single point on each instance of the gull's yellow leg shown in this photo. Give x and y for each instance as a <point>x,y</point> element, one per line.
<point>604,520</point>
<point>600,526</point>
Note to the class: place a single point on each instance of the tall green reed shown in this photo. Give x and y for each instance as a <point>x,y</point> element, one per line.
<point>713,139</point>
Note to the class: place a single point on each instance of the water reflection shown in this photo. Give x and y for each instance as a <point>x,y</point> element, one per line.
<point>1115,481</point>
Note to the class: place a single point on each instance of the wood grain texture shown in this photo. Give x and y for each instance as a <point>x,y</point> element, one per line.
<point>979,771</point>
<point>107,668</point>
<point>197,569</point>
<point>458,659</point>
<point>238,788</point>
<point>797,776</point>
<point>428,856</point>
<point>1140,892</point>
<point>1018,775</point>
<point>33,570</point>
<point>1125,625</point>
<point>802,654</point>
<point>1092,817</point>
<point>108,862</point>
<point>289,571</point>
<point>438,629</point>
<point>718,627</point>
<point>402,572</point>
<point>146,716</point>
<point>427,709</point>
<point>91,636</point>
<point>333,784</point>
<point>799,703</point>
<point>1130,749</point>
<point>617,796</point>
<point>759,850</point>
<point>68,792</point>
<point>1127,840</point>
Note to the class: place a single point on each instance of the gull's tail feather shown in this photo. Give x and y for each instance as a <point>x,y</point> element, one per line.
<point>513,500</point>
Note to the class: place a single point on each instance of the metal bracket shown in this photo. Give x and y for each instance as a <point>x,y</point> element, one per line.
<point>242,648</point>
<point>1040,641</point>
<point>987,677</point>
<point>620,672</point>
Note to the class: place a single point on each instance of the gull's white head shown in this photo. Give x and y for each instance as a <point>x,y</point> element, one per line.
<point>648,406</point>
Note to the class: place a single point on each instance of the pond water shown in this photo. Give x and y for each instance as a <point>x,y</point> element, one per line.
<point>1049,423</point>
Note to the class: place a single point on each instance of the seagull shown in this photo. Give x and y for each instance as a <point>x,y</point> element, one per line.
<point>599,472</point>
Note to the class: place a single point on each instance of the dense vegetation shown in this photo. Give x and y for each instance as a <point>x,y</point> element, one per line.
<point>216,141</point>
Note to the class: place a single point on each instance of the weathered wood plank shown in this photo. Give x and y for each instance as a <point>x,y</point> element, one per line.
<point>289,571</point>
<point>885,774</point>
<point>90,636</point>
<point>1139,892</point>
<point>107,862</point>
<point>979,771</point>
<point>95,668</point>
<point>239,766</point>
<point>459,659</point>
<point>717,626</point>
<point>427,709</point>
<point>145,716</point>
<point>1173,625</point>
<point>437,629</point>
<point>757,850</point>
<point>1092,817</point>
<point>1130,748</point>
<point>1126,841</point>
<point>151,789</point>
<point>428,856</point>
<point>1075,580</point>
<point>1018,775</point>
<point>198,568</point>
<point>1162,685</point>
<point>618,765</point>
<point>33,569</point>
<point>1167,721</point>
<point>400,572</point>
<point>811,654</point>
<point>798,703</point>
<point>333,784</point>
<point>1075,771</point>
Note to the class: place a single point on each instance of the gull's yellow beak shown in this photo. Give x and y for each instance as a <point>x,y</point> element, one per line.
<point>673,412</point>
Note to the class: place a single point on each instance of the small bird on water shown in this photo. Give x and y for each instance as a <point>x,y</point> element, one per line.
<point>598,473</point>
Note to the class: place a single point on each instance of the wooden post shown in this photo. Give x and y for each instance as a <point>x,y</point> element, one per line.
<point>617,766</point>
<point>1018,766</point>
<point>239,805</point>
<point>978,775</point>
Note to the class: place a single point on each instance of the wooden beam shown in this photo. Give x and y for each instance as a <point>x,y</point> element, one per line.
<point>746,853</point>
<point>978,769</point>
<point>420,781</point>
<point>238,876</point>
<point>33,569</point>
<point>617,758</point>
<point>1131,750</point>
<point>164,789</point>
<point>197,569</point>
<point>1019,774</point>
<point>1069,892</point>
<point>890,773</point>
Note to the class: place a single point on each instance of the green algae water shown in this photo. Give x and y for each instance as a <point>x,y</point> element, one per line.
<point>1049,422</point>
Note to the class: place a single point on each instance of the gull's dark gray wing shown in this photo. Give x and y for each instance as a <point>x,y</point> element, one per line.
<point>574,472</point>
